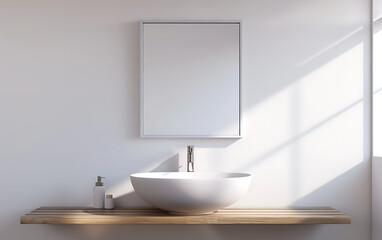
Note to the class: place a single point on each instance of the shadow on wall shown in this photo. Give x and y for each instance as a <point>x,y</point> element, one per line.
<point>287,72</point>
<point>286,75</point>
<point>355,38</point>
<point>337,187</point>
<point>377,25</point>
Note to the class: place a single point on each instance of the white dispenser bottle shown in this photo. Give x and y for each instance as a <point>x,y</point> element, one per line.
<point>98,193</point>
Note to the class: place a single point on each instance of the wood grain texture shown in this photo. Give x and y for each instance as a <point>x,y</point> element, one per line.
<point>86,215</point>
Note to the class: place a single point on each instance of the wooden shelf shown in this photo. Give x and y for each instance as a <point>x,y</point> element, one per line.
<point>84,215</point>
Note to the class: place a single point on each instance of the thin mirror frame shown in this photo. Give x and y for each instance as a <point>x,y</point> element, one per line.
<point>142,23</point>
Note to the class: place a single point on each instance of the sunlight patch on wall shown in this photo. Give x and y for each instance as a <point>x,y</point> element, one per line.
<point>330,88</point>
<point>329,99</point>
<point>308,133</point>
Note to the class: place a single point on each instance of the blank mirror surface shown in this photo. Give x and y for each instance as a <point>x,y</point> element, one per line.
<point>190,79</point>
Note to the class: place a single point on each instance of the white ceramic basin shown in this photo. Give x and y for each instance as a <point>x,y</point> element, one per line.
<point>190,192</point>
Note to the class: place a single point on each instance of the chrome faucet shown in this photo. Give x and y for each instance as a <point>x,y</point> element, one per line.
<point>190,159</point>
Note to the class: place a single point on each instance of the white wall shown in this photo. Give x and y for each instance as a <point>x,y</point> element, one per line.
<point>69,111</point>
<point>377,78</point>
<point>377,121</point>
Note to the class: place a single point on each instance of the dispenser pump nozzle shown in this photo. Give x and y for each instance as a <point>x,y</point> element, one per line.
<point>99,181</point>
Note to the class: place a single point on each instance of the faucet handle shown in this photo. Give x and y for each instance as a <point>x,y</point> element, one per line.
<point>190,158</point>
<point>190,149</point>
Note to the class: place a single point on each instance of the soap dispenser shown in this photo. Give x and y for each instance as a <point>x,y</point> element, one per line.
<point>98,193</point>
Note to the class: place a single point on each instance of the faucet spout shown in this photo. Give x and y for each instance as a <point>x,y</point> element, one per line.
<point>190,159</point>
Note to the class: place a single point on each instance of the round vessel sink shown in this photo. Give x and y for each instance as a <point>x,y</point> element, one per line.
<point>190,192</point>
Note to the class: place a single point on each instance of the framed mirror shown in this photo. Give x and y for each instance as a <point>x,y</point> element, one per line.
<point>190,79</point>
